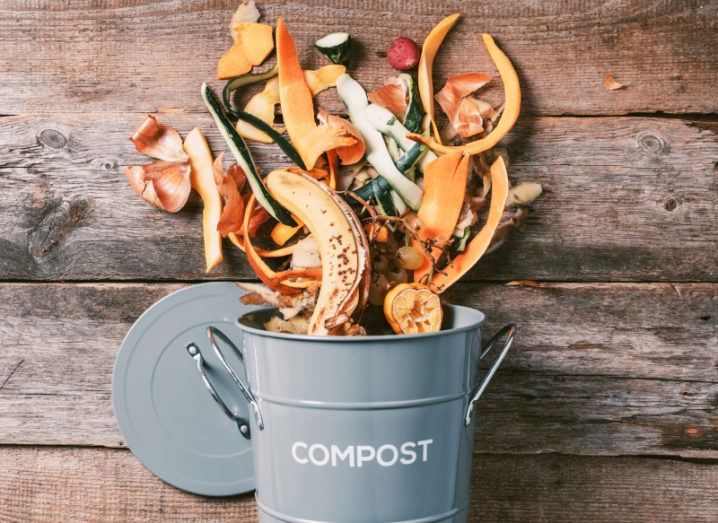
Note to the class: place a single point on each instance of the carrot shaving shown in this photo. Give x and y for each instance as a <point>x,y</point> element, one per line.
<point>295,97</point>
<point>238,241</point>
<point>263,103</point>
<point>263,271</point>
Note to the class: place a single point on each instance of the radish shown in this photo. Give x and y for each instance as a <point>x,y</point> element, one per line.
<point>403,54</point>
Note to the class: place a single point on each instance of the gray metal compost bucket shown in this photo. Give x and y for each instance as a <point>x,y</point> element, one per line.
<point>365,429</point>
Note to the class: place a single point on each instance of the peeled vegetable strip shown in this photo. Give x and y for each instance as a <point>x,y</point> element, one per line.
<point>265,273</point>
<point>295,97</point>
<point>426,66</point>
<point>444,189</point>
<point>238,241</point>
<point>323,78</point>
<point>512,107</point>
<point>202,178</point>
<point>229,186</point>
<point>252,46</point>
<point>262,104</point>
<point>243,156</point>
<point>476,248</point>
<point>240,81</point>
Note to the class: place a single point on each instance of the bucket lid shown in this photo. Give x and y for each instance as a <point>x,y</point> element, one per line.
<point>164,411</point>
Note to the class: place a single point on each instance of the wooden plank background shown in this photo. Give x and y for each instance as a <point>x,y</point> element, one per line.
<point>606,408</point>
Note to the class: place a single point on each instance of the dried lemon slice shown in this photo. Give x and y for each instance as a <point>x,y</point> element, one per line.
<point>412,308</point>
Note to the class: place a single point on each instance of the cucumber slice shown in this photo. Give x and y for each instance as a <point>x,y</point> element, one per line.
<point>354,97</point>
<point>244,157</point>
<point>335,46</point>
<point>414,114</point>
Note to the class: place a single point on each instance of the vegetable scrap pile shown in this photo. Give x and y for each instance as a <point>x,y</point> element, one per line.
<point>382,208</point>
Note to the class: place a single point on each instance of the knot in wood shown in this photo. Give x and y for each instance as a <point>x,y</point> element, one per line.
<point>55,225</point>
<point>651,143</point>
<point>52,138</point>
<point>671,204</point>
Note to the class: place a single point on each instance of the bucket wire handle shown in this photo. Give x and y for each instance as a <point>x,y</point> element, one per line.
<point>507,332</point>
<point>242,424</point>
<point>211,333</point>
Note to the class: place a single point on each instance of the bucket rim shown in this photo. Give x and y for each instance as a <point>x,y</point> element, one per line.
<point>472,325</point>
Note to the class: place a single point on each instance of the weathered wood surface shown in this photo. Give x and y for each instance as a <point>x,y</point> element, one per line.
<point>138,56</point>
<point>626,199</point>
<point>63,484</point>
<point>597,369</point>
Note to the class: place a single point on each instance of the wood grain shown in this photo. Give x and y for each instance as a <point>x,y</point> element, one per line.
<point>626,198</point>
<point>61,484</point>
<point>585,377</point>
<point>139,56</point>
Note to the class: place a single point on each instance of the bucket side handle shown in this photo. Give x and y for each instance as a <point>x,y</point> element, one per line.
<point>506,332</point>
<point>212,334</point>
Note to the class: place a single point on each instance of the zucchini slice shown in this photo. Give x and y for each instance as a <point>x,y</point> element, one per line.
<point>244,157</point>
<point>335,46</point>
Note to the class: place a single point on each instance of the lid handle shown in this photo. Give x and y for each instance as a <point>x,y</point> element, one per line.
<point>508,332</point>
<point>242,424</point>
<point>249,396</point>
